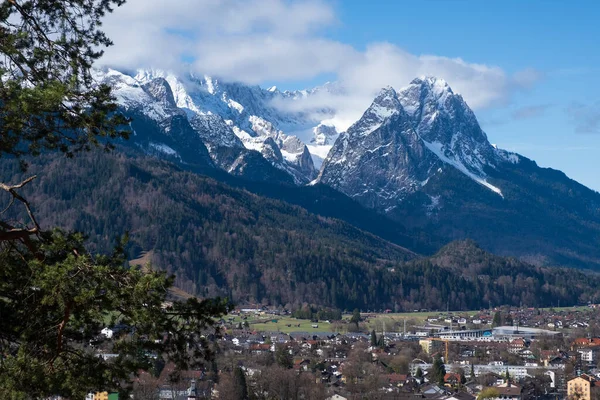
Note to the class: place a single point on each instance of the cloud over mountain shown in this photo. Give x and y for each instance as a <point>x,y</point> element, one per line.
<point>255,41</point>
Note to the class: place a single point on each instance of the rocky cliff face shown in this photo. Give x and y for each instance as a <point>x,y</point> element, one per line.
<point>232,120</point>
<point>402,140</point>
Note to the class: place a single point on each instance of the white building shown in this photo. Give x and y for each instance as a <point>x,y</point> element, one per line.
<point>107,332</point>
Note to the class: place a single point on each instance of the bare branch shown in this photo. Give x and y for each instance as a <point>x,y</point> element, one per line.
<point>10,232</point>
<point>18,185</point>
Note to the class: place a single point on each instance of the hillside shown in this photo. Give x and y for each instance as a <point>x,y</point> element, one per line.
<point>419,156</point>
<point>217,239</point>
<point>221,240</point>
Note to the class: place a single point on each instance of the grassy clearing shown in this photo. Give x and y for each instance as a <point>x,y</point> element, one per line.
<point>392,322</point>
<point>277,323</point>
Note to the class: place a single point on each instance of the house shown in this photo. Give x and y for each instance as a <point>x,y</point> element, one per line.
<point>583,387</point>
<point>584,342</point>
<point>301,364</point>
<point>527,354</point>
<point>396,379</point>
<point>261,348</point>
<point>107,332</point>
<point>432,391</point>
<point>451,379</point>
<point>553,358</point>
<point>516,345</point>
<point>461,396</point>
<point>589,354</point>
<point>507,391</point>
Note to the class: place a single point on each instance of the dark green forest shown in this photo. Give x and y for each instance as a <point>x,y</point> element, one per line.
<point>220,240</point>
<point>543,217</point>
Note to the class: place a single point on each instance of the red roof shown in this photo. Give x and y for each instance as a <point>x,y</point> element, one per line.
<point>451,376</point>
<point>396,378</point>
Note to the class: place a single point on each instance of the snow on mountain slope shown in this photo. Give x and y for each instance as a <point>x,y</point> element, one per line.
<point>231,117</point>
<point>250,114</point>
<point>441,116</point>
<point>166,129</point>
<point>403,139</point>
<point>380,158</point>
<point>227,116</point>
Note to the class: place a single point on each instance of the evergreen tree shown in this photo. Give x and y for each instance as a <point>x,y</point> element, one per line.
<point>48,96</point>
<point>419,373</point>
<point>239,383</point>
<point>374,341</point>
<point>472,372</point>
<point>497,321</point>
<point>283,357</point>
<point>55,296</point>
<point>355,317</point>
<point>438,370</point>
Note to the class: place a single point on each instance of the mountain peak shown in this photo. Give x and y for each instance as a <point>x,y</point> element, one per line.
<point>437,85</point>
<point>385,104</point>
<point>386,91</point>
<point>387,98</point>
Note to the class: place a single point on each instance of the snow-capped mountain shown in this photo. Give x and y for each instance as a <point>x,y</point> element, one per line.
<point>233,120</point>
<point>417,155</point>
<point>252,116</point>
<point>403,139</point>
<point>159,126</point>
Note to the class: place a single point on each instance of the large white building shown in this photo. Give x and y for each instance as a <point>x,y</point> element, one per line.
<point>499,334</point>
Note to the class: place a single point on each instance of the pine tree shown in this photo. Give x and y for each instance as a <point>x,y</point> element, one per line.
<point>419,373</point>
<point>497,321</point>
<point>239,383</point>
<point>374,341</point>
<point>355,317</point>
<point>283,357</point>
<point>55,296</point>
<point>438,370</point>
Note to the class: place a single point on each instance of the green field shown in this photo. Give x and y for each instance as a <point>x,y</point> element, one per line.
<point>265,323</point>
<point>392,322</point>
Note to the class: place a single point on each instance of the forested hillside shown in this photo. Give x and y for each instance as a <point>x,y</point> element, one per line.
<point>220,240</point>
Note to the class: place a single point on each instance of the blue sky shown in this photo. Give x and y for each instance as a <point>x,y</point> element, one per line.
<point>529,69</point>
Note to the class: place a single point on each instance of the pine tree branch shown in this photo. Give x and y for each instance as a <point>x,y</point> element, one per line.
<point>10,232</point>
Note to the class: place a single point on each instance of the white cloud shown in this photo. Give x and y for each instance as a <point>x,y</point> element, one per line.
<point>254,41</point>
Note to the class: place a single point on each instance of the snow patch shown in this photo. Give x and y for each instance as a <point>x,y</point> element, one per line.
<point>163,148</point>
<point>508,156</point>
<point>233,104</point>
<point>437,149</point>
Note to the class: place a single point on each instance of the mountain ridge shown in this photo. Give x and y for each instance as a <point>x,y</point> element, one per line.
<point>226,241</point>
<point>413,156</point>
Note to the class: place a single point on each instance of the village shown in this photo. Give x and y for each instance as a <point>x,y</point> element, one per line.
<point>502,353</point>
